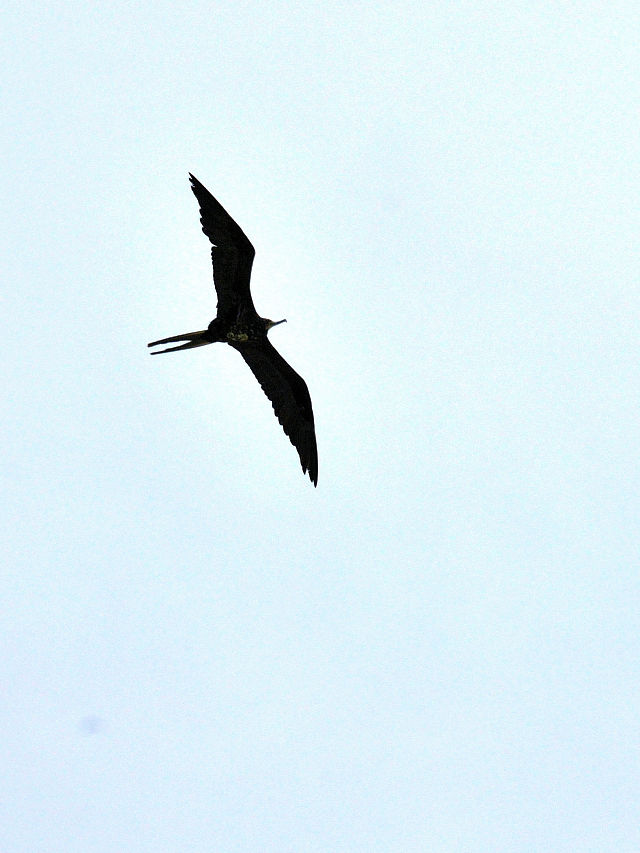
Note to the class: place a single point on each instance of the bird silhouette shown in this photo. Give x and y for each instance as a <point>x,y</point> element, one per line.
<point>238,324</point>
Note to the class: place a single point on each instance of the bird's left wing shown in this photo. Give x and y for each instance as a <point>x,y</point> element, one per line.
<point>290,398</point>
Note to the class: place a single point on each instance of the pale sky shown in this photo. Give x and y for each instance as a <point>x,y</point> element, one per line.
<point>438,649</point>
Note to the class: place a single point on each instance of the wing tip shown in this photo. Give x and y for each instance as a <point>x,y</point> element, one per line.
<point>310,467</point>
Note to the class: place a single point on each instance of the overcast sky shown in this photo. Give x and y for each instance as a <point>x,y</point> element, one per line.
<point>438,649</point>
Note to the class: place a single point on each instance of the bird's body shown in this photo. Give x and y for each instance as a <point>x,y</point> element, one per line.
<point>238,324</point>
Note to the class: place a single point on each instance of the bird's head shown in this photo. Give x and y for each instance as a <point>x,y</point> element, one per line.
<point>269,324</point>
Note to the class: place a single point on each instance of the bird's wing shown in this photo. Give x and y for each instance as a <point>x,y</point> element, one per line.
<point>289,395</point>
<point>232,255</point>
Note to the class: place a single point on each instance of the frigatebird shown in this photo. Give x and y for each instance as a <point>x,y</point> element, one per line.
<point>237,323</point>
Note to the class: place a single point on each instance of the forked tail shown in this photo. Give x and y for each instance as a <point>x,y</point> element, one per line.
<point>193,339</point>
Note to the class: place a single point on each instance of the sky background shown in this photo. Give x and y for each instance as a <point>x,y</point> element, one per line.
<point>438,649</point>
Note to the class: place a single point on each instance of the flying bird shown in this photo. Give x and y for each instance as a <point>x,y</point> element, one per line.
<point>237,323</point>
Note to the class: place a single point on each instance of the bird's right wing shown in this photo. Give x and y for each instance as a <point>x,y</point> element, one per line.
<point>289,396</point>
<point>232,255</point>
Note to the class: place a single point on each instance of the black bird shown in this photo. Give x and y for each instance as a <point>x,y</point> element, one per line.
<point>237,323</point>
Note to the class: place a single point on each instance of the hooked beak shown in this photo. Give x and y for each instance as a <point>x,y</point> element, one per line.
<point>194,339</point>
<point>273,323</point>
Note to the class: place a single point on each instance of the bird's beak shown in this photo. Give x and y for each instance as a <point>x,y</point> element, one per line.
<point>194,339</point>
<point>276,323</point>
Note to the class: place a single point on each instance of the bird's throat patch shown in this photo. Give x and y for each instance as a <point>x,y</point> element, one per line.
<point>240,337</point>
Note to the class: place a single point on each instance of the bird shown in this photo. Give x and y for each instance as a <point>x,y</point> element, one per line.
<point>238,324</point>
